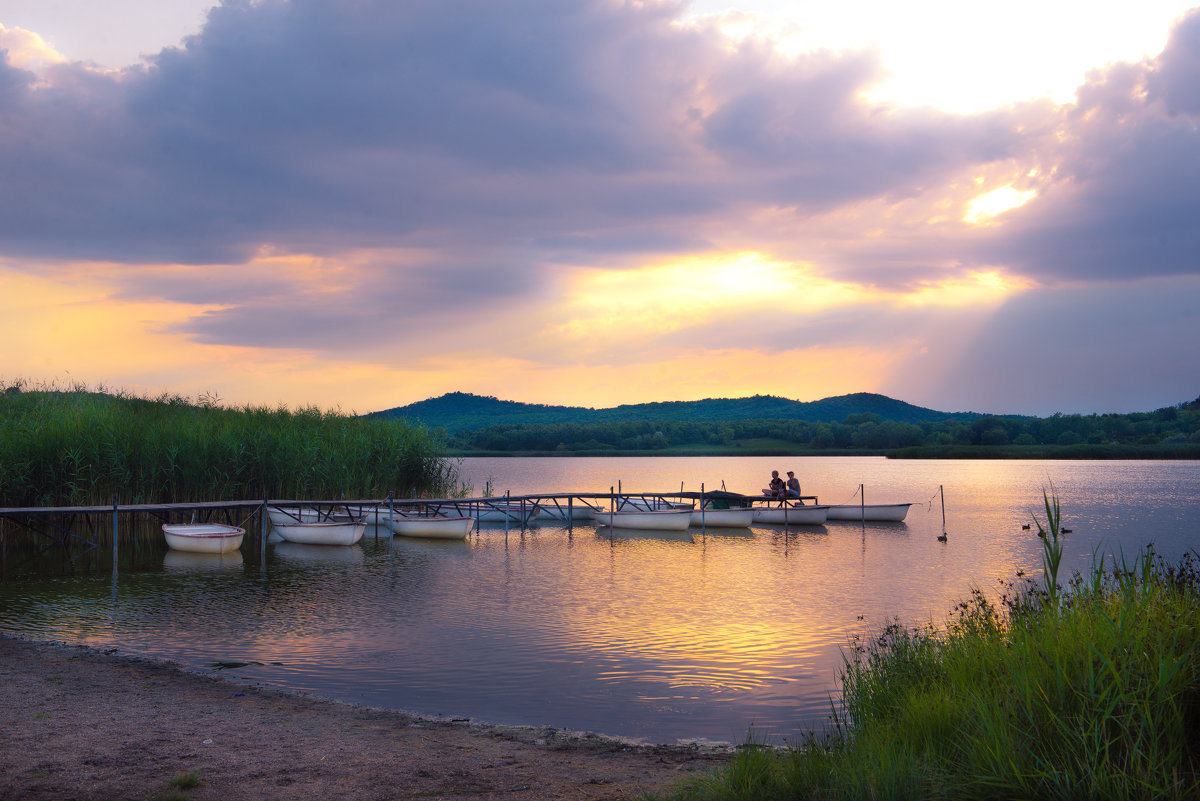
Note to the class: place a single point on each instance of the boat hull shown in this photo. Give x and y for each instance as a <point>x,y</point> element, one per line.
<point>651,519</point>
<point>203,538</point>
<point>872,513</point>
<point>791,515</point>
<point>723,518</point>
<point>324,532</point>
<point>436,528</point>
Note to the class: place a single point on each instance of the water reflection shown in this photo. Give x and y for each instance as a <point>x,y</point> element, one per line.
<point>664,535</point>
<point>658,634</point>
<point>185,560</point>
<point>318,554</point>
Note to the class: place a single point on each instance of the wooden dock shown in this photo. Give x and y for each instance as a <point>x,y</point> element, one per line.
<point>97,526</point>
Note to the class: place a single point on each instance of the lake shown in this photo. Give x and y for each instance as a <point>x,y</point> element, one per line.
<point>665,637</point>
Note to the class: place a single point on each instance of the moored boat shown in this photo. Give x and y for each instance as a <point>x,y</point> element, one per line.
<point>791,515</point>
<point>652,519</point>
<point>578,511</point>
<point>871,512</point>
<point>284,515</point>
<point>723,518</point>
<point>323,532</point>
<point>438,528</point>
<point>203,537</point>
<point>638,503</point>
<point>494,513</point>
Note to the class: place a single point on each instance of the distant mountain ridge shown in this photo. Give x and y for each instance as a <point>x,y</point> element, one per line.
<point>463,411</point>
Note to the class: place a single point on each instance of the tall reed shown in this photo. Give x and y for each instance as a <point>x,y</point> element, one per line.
<point>81,447</point>
<point>1086,692</point>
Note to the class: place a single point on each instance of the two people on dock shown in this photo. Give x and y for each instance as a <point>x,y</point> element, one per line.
<point>778,488</point>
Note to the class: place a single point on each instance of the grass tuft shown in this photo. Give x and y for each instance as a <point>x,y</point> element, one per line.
<point>185,781</point>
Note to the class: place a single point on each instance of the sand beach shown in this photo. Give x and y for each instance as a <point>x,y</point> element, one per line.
<point>83,723</point>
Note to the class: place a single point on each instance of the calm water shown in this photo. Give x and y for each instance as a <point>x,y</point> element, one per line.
<point>663,637</point>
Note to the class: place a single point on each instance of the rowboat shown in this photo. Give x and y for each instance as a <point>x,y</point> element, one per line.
<point>203,537</point>
<point>577,512</point>
<point>723,518</point>
<point>373,515</point>
<point>635,504</point>
<point>283,515</point>
<point>323,532</point>
<point>498,514</point>
<point>654,519</point>
<point>791,515</point>
<point>438,528</point>
<point>871,512</point>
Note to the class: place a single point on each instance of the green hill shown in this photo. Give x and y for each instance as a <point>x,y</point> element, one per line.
<point>460,411</point>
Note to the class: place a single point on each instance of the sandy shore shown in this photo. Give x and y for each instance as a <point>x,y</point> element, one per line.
<point>77,723</point>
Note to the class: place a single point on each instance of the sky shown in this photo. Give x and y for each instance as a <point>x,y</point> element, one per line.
<point>359,205</point>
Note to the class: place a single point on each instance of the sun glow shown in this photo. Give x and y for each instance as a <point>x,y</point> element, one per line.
<point>991,204</point>
<point>983,289</point>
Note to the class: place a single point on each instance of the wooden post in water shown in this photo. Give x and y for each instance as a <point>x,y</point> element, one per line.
<point>703,524</point>
<point>262,529</point>
<point>942,492</point>
<point>114,534</point>
<point>612,504</point>
<point>862,504</point>
<point>570,514</point>
<point>506,496</point>
<point>391,515</point>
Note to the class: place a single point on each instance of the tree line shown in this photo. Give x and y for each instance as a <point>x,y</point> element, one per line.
<point>866,432</point>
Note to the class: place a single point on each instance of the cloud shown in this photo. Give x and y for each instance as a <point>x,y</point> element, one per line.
<point>1124,347</point>
<point>373,178</point>
<point>1124,184</point>
<point>317,127</point>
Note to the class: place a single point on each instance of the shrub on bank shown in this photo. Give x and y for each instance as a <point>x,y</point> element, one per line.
<point>70,448</point>
<point>1091,691</point>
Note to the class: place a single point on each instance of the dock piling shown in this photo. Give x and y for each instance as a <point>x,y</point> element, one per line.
<point>114,542</point>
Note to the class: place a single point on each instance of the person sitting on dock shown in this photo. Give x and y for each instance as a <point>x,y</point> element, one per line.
<point>776,488</point>
<point>793,486</point>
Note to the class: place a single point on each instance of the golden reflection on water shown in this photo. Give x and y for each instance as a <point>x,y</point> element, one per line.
<point>664,635</point>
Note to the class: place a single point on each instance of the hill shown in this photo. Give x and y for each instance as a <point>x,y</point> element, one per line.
<point>460,411</point>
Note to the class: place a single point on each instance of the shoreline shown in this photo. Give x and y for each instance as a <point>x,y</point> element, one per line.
<point>88,723</point>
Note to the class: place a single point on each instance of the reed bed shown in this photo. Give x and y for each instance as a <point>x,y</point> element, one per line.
<point>1089,691</point>
<point>77,447</point>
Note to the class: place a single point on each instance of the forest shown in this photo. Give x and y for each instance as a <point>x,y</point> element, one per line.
<point>1170,432</point>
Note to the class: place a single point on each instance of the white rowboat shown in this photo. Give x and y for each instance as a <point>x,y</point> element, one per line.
<point>723,518</point>
<point>323,532</point>
<point>789,515</point>
<point>284,516</point>
<point>438,528</point>
<point>579,512</point>
<point>203,538</point>
<point>871,512</point>
<point>637,504</point>
<point>651,519</point>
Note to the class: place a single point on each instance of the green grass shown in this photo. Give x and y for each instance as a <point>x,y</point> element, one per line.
<point>1091,691</point>
<point>77,447</point>
<point>185,781</point>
